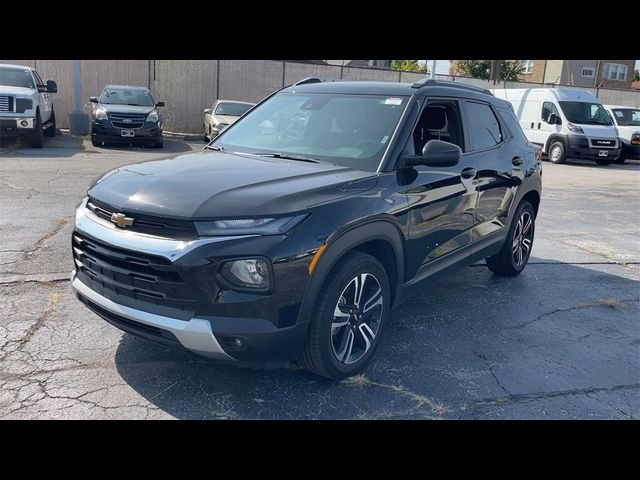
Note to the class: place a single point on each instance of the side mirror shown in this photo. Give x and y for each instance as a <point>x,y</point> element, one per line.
<point>208,111</point>
<point>93,99</point>
<point>435,153</point>
<point>160,104</point>
<point>52,87</point>
<point>554,119</point>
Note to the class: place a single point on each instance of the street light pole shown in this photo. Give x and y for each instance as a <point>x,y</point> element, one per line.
<point>78,121</point>
<point>433,68</point>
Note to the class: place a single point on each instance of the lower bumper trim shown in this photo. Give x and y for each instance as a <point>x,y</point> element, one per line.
<point>195,334</point>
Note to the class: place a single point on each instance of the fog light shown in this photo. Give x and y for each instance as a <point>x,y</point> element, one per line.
<point>24,123</point>
<point>248,273</point>
<point>237,343</point>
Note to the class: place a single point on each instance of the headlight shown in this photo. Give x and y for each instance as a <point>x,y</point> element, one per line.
<point>249,226</point>
<point>100,114</point>
<point>153,117</point>
<point>574,128</point>
<point>635,138</point>
<point>221,126</point>
<point>247,273</point>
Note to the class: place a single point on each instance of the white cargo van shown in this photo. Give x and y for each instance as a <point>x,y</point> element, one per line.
<point>627,120</point>
<point>566,122</point>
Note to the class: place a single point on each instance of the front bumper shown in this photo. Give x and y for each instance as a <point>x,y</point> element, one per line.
<point>225,324</point>
<point>10,126</point>
<point>103,130</point>
<point>578,146</point>
<point>631,151</point>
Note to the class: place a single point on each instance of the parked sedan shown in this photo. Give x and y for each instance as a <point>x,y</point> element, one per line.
<point>221,115</point>
<point>124,114</point>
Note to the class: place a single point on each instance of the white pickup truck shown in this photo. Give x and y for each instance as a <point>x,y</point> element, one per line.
<point>26,104</point>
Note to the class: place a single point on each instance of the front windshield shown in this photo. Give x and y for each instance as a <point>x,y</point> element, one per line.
<point>344,129</point>
<point>127,96</point>
<point>585,113</point>
<point>16,77</point>
<point>232,109</point>
<point>627,117</point>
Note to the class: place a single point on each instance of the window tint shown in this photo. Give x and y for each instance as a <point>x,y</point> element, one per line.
<point>483,127</point>
<point>513,126</point>
<point>547,109</point>
<point>438,121</point>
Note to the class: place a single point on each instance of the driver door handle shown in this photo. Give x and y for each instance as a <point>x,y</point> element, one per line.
<point>516,161</point>
<point>468,173</point>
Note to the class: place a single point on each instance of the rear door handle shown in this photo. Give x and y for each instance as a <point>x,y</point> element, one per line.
<point>517,161</point>
<point>539,125</point>
<point>468,173</point>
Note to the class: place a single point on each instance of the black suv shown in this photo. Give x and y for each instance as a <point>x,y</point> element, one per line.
<point>124,114</point>
<point>294,233</point>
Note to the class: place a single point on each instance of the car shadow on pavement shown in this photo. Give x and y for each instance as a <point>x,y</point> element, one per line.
<point>558,341</point>
<point>629,164</point>
<point>62,145</point>
<point>170,146</point>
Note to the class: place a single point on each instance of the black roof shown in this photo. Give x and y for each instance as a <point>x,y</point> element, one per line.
<point>436,88</point>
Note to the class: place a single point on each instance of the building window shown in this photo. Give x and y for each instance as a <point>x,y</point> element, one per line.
<point>614,71</point>
<point>527,67</point>
<point>588,72</point>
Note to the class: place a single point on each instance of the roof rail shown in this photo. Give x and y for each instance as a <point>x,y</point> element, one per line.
<point>430,82</point>
<point>309,80</point>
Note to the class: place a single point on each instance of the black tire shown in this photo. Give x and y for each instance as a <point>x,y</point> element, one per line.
<point>319,355</point>
<point>36,138</point>
<point>619,160</point>
<point>51,131</point>
<point>95,140</point>
<point>505,263</point>
<point>158,143</point>
<point>559,156</point>
<point>604,163</point>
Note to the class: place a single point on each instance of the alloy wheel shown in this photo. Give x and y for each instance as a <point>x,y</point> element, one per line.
<point>357,318</point>
<point>522,239</point>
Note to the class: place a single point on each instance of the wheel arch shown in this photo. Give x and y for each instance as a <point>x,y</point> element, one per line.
<point>555,137</point>
<point>380,238</point>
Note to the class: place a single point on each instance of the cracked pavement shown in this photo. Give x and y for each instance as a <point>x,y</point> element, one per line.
<point>562,340</point>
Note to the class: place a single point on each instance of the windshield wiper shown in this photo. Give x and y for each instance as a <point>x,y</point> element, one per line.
<point>214,147</point>
<point>286,156</point>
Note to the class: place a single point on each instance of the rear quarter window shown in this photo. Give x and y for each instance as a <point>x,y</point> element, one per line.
<point>512,125</point>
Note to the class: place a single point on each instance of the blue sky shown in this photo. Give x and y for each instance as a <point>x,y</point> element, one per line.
<point>442,66</point>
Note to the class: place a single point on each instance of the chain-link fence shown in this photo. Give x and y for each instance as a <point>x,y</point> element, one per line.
<point>189,86</point>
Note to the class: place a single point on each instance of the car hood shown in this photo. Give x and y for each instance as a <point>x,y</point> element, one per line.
<point>228,119</point>
<point>626,132</point>
<point>20,91</point>
<point>602,131</point>
<point>212,184</point>
<point>111,108</point>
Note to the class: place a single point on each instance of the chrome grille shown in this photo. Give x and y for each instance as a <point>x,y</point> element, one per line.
<point>121,273</point>
<point>6,103</point>
<point>127,120</point>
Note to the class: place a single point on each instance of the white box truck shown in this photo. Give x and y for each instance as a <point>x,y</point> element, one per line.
<point>565,122</point>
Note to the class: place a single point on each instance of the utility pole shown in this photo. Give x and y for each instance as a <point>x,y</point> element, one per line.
<point>78,121</point>
<point>433,68</point>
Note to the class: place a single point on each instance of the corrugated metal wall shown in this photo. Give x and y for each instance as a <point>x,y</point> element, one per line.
<point>190,86</point>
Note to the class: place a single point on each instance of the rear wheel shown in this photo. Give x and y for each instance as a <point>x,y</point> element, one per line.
<point>557,153</point>
<point>515,252</point>
<point>158,143</point>
<point>349,316</point>
<point>36,138</point>
<point>51,131</point>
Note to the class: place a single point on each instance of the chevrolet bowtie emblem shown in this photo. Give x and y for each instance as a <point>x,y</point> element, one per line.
<point>121,220</point>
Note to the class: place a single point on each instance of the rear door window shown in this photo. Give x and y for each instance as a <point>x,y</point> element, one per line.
<point>483,126</point>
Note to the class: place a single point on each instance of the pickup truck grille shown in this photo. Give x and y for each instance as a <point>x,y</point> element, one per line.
<point>157,226</point>
<point>127,120</point>
<point>133,275</point>
<point>6,103</point>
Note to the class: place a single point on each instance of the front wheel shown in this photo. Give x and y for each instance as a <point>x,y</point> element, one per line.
<point>350,313</point>
<point>515,252</point>
<point>557,153</point>
<point>36,138</point>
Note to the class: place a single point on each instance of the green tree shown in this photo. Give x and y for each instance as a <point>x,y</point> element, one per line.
<point>636,76</point>
<point>509,69</point>
<point>409,66</point>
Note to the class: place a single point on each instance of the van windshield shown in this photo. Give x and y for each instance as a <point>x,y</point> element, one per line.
<point>585,113</point>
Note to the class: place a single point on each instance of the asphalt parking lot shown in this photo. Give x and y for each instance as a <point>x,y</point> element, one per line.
<point>561,341</point>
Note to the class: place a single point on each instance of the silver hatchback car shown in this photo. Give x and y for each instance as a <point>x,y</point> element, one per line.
<point>221,115</point>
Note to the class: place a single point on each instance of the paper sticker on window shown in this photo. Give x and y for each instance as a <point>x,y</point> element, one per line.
<point>384,139</point>
<point>393,101</point>
<point>618,113</point>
